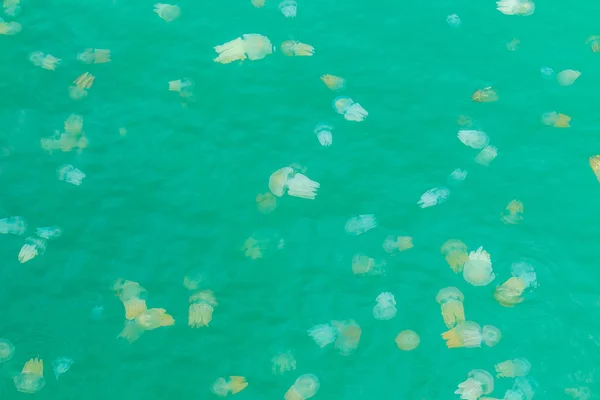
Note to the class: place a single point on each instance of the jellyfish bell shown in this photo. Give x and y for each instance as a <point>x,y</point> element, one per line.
<point>485,95</point>
<point>451,301</point>
<point>486,155</point>
<point>525,272</point>
<point>168,12</point>
<point>491,335</point>
<point>478,269</point>
<point>594,42</point>
<point>519,366</point>
<point>295,183</point>
<point>433,197</point>
<point>465,334</point>
<point>292,48</point>
<point>333,82</point>
<point>307,385</point>
<point>324,135</point>
<point>257,46</point>
<point>288,8</point>
<point>478,383</point>
<point>567,77</point>
<point>7,350</point>
<point>473,138</point>
<point>407,340</point>
<point>360,224</point>
<point>342,104</point>
<point>323,334</point>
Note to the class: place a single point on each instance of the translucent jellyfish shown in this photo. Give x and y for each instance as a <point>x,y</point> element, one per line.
<point>94,56</point>
<point>490,335</point>
<point>10,28</point>
<point>348,338</point>
<point>288,8</point>
<point>513,45</point>
<point>516,7</point>
<point>512,368</point>
<point>360,224</point>
<point>253,46</point>
<point>485,95</point>
<point>433,197</point>
<point>266,202</point>
<point>386,307</point>
<point>594,164</point>
<point>182,86</point>
<point>283,362</point>
<point>479,382</point>
<point>127,290</point>
<point>466,334</point>
<point>523,389</point>
<point>486,156</point>
<point>305,387</point>
<point>407,340</point>
<point>510,292</point>
<point>451,299</point>
<point>567,77</point>
<point>393,244</point>
<point>556,120</point>
<point>579,393</point>
<point>201,308</point>
<point>323,334</point>
<point>349,109</point>
<point>258,3</point>
<point>13,225</point>
<point>323,132</point>
<point>154,318</point>
<point>48,62</point>
<point>235,385</point>
<point>82,83</point>
<point>458,174</point>
<point>513,213</point>
<point>335,83</point>
<point>70,174</point>
<point>220,387</point>
<point>12,7</point>
<point>48,232</point>
<point>33,247</point>
<point>288,180</point>
<point>547,72</point>
<point>464,120</point>
<point>594,43</point>
<point>456,254</point>
<point>473,138</point>
<point>296,48</point>
<point>453,20</point>
<point>478,269</point>
<point>362,265</point>
<point>31,379</point>
<point>7,349</point>
<point>168,12</point>
<point>61,365</point>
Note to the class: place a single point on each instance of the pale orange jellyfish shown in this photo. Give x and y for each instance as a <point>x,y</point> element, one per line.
<point>451,299</point>
<point>466,334</point>
<point>266,203</point>
<point>510,292</point>
<point>236,384</point>
<point>556,120</point>
<point>283,362</point>
<point>348,338</point>
<point>31,379</point>
<point>363,265</point>
<point>512,368</point>
<point>407,340</point>
<point>485,95</point>
<point>513,213</point>
<point>296,48</point>
<point>595,165</point>
<point>594,42</point>
<point>478,383</point>
<point>393,243</point>
<point>490,335</point>
<point>333,82</point>
<point>305,387</point>
<point>456,254</point>
<point>201,308</point>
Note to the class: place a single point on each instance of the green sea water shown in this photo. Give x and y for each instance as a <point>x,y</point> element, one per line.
<point>175,195</point>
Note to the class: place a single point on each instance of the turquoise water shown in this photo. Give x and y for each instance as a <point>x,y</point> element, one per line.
<point>175,195</point>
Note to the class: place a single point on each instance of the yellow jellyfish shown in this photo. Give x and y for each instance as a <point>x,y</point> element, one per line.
<point>258,3</point>
<point>283,362</point>
<point>512,368</point>
<point>478,269</point>
<point>451,299</point>
<point>45,61</point>
<point>567,77</point>
<point>513,213</point>
<point>94,56</point>
<point>348,338</point>
<point>31,379</point>
<point>288,180</point>
<point>466,334</point>
<point>490,335</point>
<point>146,321</point>
<point>296,48</point>
<point>235,385</point>
<point>201,308</point>
<point>393,243</point>
<point>252,46</point>
<point>129,293</point>
<point>485,95</point>
<point>82,83</point>
<point>510,292</point>
<point>407,340</point>
<point>478,383</point>
<point>252,249</point>
<point>594,42</point>
<point>362,265</point>
<point>9,28</point>
<point>7,349</point>
<point>33,247</point>
<point>456,254</point>
<point>486,155</point>
<point>333,82</point>
<point>556,120</point>
<point>266,202</point>
<point>595,165</point>
<point>168,12</point>
<point>305,387</point>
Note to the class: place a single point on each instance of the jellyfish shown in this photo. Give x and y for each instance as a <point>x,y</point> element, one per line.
<point>61,365</point>
<point>473,138</point>
<point>556,120</point>
<point>31,379</point>
<point>465,334</point>
<point>283,362</point>
<point>512,368</point>
<point>305,387</point>
<point>547,72</point>
<point>386,306</point>
<point>70,174</point>
<point>486,156</point>
<point>235,385</point>
<point>432,197</point>
<point>7,350</point>
<point>594,42</point>
<point>594,164</point>
<point>253,46</point>
<point>266,202</point>
<point>362,265</point>
<point>201,308</point>
<point>516,7</point>
<point>252,249</point>
<point>9,28</point>
<point>567,77</point>
<point>464,120</point>
<point>349,109</point>
<point>478,269</point>
<point>288,180</point>
<point>513,213</point>
<point>148,320</point>
<point>490,335</point>
<point>478,383</point>
<point>358,225</point>
<point>34,246</point>
<point>485,95</point>
<point>82,83</point>
<point>323,132</point>
<point>451,299</point>
<point>579,393</point>
<point>258,3</point>
<point>94,56</point>
<point>335,83</point>
<point>130,293</point>
<point>49,62</point>
<point>348,338</point>
<point>296,48</point>
<point>407,340</point>
<point>49,232</point>
<point>168,12</point>
<point>513,45</point>
<point>393,243</point>
<point>323,334</point>
<point>523,389</point>
<point>456,254</point>
<point>458,174</point>
<point>288,8</point>
<point>11,7</point>
<point>510,292</point>
<point>182,86</point>
<point>453,20</point>
<point>13,225</point>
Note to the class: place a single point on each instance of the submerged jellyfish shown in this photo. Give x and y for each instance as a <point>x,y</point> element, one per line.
<point>182,86</point>
<point>433,197</point>
<point>512,368</point>
<point>83,82</point>
<point>13,225</point>
<point>31,379</point>
<point>296,48</point>
<point>7,349</point>
<point>9,28</point>
<point>288,8</point>
<point>453,20</point>
<point>94,56</point>
<point>349,109</point>
<point>567,77</point>
<point>305,387</point>
<point>510,292</point>
<point>594,42</point>
<point>478,269</point>
<point>513,213</point>
<point>148,320</point>
<point>49,232</point>
<point>594,164</point>
<point>258,3</point>
<point>266,202</point>
<point>513,45</point>
<point>556,120</point>
<point>456,254</point>
<point>485,95</point>
<point>168,12</point>
<point>348,338</point>
<point>478,383</point>
<point>473,138</point>
<point>283,362</point>
<point>362,265</point>
<point>516,7</point>
<point>465,334</point>
<point>12,7</point>
<point>393,243</point>
<point>451,299</point>
<point>333,82</point>
<point>458,174</point>
<point>61,365</point>
<point>407,340</point>
<point>253,46</point>
<point>236,384</point>
<point>287,179</point>
<point>490,335</point>
<point>34,246</point>
<point>323,334</point>
<point>486,156</point>
<point>358,225</point>
<point>201,308</point>
<point>386,306</point>
<point>523,389</point>
<point>70,174</point>
<point>323,132</point>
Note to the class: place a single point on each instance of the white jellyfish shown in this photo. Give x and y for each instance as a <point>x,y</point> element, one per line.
<point>453,20</point>
<point>70,174</point>
<point>358,225</point>
<point>519,366</point>
<point>323,132</point>
<point>61,365</point>
<point>433,197</point>
<point>386,306</point>
<point>13,225</point>
<point>288,8</point>
<point>516,7</point>
<point>547,72</point>
<point>323,334</point>
<point>168,12</point>
<point>478,383</point>
<point>478,269</point>
<point>305,387</point>
<point>486,155</point>
<point>523,389</point>
<point>295,183</point>
<point>295,48</point>
<point>490,335</point>
<point>465,334</point>
<point>473,138</point>
<point>349,109</point>
<point>459,174</point>
<point>567,77</point>
<point>251,45</point>
<point>49,232</point>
